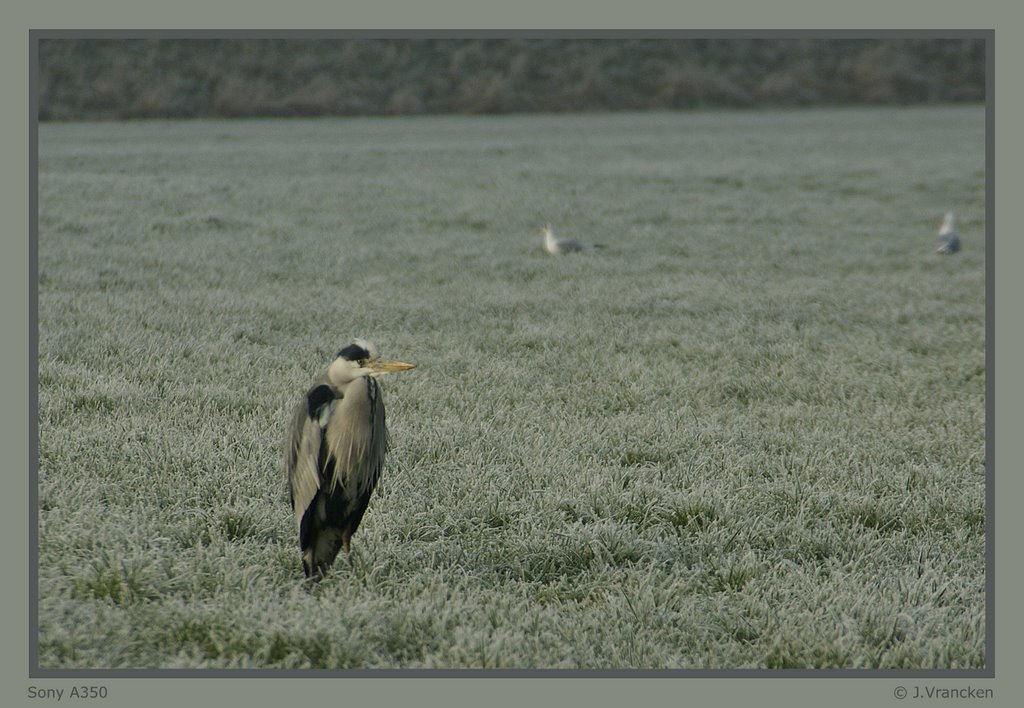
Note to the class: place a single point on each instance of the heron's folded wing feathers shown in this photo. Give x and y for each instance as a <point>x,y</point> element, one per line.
<point>302,462</point>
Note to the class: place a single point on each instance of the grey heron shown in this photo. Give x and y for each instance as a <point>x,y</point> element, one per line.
<point>556,245</point>
<point>949,242</point>
<point>335,450</point>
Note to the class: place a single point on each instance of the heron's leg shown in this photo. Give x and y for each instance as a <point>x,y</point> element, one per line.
<point>346,538</point>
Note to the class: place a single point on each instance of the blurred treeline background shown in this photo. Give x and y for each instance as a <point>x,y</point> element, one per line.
<point>189,78</point>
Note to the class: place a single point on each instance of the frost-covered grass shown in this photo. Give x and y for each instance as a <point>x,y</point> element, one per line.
<point>749,433</point>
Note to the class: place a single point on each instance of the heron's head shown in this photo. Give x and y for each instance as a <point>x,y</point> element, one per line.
<point>361,359</point>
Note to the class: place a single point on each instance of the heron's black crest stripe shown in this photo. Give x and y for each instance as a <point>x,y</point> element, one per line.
<point>317,398</point>
<point>354,352</point>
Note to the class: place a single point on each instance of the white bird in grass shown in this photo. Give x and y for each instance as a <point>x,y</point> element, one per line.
<point>556,246</point>
<point>949,242</point>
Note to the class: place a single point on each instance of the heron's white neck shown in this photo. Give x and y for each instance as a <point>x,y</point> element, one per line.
<point>550,242</point>
<point>947,224</point>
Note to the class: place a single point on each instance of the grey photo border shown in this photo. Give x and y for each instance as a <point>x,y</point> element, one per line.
<point>35,35</point>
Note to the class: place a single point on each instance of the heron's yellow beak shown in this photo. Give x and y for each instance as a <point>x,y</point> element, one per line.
<point>384,366</point>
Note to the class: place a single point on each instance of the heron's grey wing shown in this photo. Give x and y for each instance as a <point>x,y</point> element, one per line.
<point>302,461</point>
<point>948,243</point>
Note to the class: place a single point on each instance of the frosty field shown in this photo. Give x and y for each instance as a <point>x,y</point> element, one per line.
<point>749,433</point>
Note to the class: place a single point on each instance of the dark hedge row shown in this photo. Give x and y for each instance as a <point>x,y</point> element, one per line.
<point>103,79</point>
